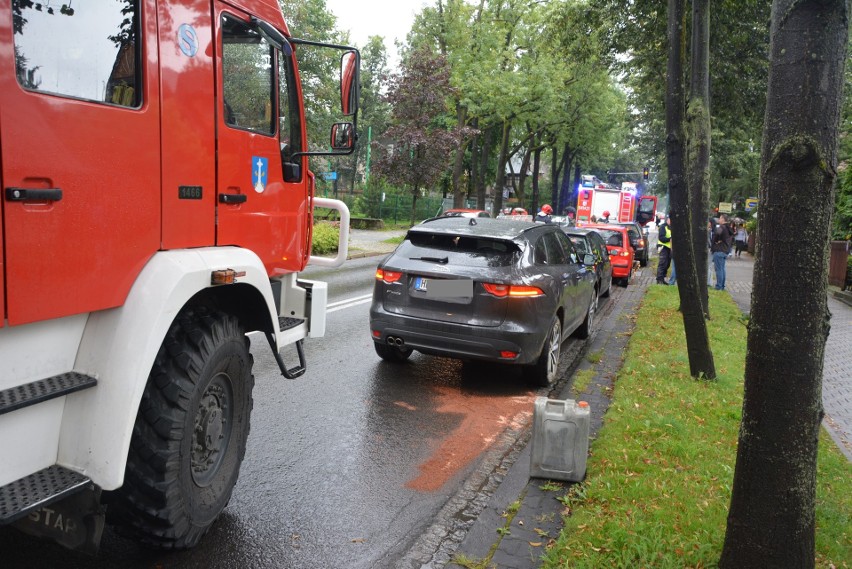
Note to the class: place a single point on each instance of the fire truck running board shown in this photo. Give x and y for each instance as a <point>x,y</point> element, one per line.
<point>43,390</point>
<point>291,372</point>
<point>37,490</point>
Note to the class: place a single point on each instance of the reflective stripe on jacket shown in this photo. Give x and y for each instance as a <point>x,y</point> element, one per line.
<point>665,236</point>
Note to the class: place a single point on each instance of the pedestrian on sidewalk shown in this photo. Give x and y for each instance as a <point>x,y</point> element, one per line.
<point>665,240</point>
<point>721,248</point>
<point>740,239</point>
<point>673,278</point>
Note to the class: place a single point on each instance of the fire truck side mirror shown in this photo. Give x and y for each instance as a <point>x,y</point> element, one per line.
<point>341,136</point>
<point>350,82</point>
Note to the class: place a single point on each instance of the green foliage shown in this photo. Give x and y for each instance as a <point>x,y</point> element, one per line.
<point>658,483</point>
<point>634,32</point>
<point>843,206</point>
<point>318,67</point>
<point>325,238</point>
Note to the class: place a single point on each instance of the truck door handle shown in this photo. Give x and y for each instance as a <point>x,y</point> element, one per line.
<point>28,194</point>
<point>232,198</point>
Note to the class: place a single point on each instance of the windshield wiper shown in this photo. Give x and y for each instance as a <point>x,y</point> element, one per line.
<point>442,260</point>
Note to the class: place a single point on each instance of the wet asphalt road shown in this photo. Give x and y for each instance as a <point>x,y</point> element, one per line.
<point>350,464</point>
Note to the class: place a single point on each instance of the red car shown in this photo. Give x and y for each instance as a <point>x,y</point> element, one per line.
<point>621,254</point>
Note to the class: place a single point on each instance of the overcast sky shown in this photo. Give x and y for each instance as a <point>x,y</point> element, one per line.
<point>390,19</point>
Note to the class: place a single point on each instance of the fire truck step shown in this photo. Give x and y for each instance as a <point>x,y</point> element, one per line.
<point>285,323</point>
<point>32,492</point>
<point>44,389</point>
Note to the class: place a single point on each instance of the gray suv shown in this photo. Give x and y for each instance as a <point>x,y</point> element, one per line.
<point>483,289</point>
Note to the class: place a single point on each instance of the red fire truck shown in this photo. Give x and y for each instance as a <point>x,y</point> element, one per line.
<point>157,206</point>
<point>597,198</point>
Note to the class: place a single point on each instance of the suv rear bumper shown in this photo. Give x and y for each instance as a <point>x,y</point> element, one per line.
<point>459,340</point>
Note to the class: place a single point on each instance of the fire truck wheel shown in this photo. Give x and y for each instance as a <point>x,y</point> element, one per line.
<point>190,433</point>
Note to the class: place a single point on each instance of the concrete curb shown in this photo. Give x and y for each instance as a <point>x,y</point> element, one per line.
<point>538,517</point>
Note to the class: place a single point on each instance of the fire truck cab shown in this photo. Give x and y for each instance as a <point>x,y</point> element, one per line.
<point>157,206</point>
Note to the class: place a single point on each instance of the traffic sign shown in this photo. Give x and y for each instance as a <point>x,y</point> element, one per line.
<point>329,175</point>
<point>750,204</point>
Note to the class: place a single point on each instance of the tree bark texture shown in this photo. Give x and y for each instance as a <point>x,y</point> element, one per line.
<point>771,518</point>
<point>484,154</point>
<point>697,341</point>
<point>501,168</point>
<point>535,170</point>
<point>458,167</point>
<point>698,118</point>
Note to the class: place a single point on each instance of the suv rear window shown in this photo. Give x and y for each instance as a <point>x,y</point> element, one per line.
<point>457,249</point>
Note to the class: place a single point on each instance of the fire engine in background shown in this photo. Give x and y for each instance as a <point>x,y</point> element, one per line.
<point>157,206</point>
<point>596,197</point>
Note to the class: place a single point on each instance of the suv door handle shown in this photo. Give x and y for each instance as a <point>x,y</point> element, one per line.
<point>28,194</point>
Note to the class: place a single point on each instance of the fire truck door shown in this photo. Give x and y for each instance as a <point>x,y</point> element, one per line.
<point>647,209</point>
<point>80,155</point>
<point>259,119</point>
<point>188,126</point>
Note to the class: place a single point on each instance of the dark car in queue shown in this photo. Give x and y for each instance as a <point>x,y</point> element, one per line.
<point>621,254</point>
<point>589,241</point>
<point>638,241</point>
<point>483,289</point>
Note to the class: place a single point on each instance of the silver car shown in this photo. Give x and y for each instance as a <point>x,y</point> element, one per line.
<point>483,289</point>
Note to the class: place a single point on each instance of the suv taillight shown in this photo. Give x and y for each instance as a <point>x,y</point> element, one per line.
<point>503,290</point>
<point>388,276</point>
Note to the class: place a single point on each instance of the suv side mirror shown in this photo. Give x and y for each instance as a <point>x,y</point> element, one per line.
<point>589,260</point>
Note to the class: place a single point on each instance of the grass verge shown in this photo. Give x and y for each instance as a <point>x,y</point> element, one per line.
<point>658,483</point>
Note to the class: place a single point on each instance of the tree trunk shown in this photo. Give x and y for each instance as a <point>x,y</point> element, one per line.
<point>697,341</point>
<point>475,143</point>
<point>554,170</point>
<point>483,168</point>
<point>501,168</point>
<point>771,519</point>
<point>521,190</point>
<point>698,119</point>
<point>536,168</point>
<point>458,167</point>
<point>414,195</point>
<point>567,157</point>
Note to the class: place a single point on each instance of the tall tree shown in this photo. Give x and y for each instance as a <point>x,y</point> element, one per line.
<point>634,30</point>
<point>374,111</point>
<point>697,341</point>
<point>420,139</point>
<point>771,518</point>
<point>698,144</point>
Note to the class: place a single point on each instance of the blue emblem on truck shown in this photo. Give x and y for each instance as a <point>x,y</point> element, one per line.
<point>259,173</point>
<point>187,40</point>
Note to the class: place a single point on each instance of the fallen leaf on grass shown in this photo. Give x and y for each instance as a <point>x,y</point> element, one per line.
<point>535,543</point>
